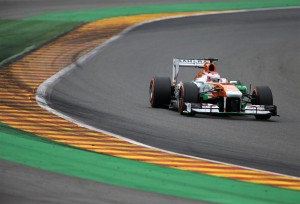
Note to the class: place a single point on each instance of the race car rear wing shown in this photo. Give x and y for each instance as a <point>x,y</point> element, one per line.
<point>194,63</point>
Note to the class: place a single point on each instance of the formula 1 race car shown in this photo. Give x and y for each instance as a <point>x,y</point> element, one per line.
<point>208,93</point>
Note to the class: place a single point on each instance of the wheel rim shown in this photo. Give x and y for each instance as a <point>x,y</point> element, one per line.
<point>151,93</point>
<point>254,97</point>
<point>181,101</point>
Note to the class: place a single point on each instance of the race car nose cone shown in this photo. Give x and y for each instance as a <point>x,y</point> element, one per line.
<point>233,94</point>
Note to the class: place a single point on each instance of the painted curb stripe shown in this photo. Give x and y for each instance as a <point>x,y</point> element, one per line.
<point>19,81</point>
<point>37,152</point>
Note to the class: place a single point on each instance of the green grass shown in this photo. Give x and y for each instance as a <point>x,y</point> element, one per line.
<point>100,13</point>
<point>19,36</point>
<point>21,147</point>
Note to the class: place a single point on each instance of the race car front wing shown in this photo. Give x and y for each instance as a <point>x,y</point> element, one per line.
<point>208,108</point>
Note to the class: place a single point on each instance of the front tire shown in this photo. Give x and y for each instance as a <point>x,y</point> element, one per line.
<point>262,95</point>
<point>160,92</point>
<point>189,93</point>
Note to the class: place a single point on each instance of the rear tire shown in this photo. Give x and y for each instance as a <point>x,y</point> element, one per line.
<point>262,95</point>
<point>160,92</point>
<point>189,93</point>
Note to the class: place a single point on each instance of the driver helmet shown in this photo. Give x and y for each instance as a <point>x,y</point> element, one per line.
<point>213,77</point>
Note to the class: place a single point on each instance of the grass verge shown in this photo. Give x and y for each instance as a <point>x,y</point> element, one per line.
<point>20,36</point>
<point>21,147</point>
<point>100,13</point>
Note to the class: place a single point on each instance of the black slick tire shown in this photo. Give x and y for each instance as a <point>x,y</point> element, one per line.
<point>189,93</point>
<point>262,95</point>
<point>160,92</point>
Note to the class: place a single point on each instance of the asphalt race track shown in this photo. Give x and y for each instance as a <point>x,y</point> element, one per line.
<point>110,92</point>
<point>21,184</point>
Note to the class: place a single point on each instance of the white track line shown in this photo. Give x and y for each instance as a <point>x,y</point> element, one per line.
<point>41,91</point>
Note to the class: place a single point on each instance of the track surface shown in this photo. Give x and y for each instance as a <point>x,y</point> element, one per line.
<point>111,91</point>
<point>21,184</point>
